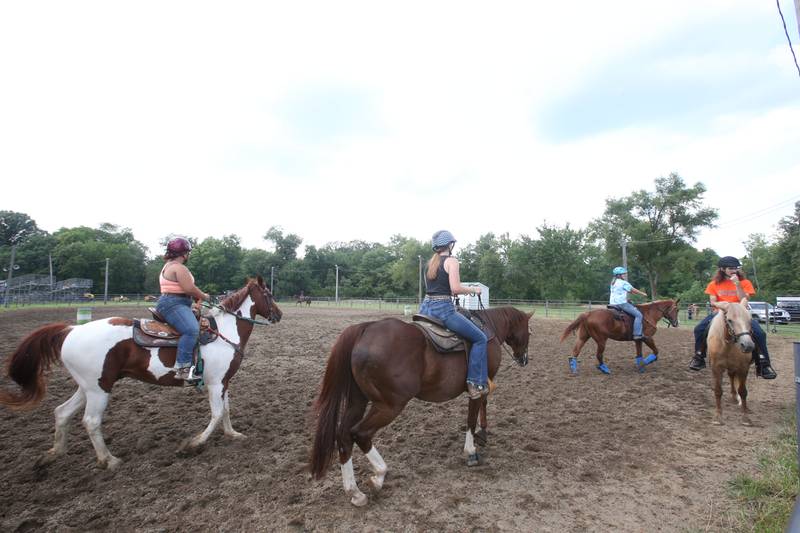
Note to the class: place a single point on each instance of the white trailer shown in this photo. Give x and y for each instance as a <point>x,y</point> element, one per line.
<point>467,301</point>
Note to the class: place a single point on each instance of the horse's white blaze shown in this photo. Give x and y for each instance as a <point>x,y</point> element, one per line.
<point>469,444</point>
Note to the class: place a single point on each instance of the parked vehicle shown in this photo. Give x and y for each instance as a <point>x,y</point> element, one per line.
<point>790,304</point>
<point>759,310</point>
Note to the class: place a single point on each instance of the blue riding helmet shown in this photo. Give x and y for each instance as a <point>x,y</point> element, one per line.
<point>619,270</point>
<point>441,238</point>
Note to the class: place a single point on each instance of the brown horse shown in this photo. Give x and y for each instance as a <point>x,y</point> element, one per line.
<point>303,300</point>
<point>99,353</point>
<point>600,325</point>
<point>730,347</point>
<point>385,364</point>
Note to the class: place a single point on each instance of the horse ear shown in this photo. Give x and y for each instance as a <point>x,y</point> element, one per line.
<point>678,300</point>
<point>530,315</point>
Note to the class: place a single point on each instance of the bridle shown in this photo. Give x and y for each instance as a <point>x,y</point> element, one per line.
<point>731,334</point>
<point>522,360</point>
<point>239,316</point>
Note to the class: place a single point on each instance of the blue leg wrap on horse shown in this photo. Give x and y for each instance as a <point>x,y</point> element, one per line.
<point>604,369</point>
<point>639,363</point>
<point>573,365</point>
<point>652,358</point>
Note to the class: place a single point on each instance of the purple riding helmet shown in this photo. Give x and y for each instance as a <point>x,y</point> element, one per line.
<point>177,246</point>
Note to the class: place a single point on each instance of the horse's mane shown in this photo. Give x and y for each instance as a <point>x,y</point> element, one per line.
<point>509,313</point>
<point>232,302</point>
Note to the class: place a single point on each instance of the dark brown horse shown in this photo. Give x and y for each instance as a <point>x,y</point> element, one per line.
<point>303,300</point>
<point>601,325</point>
<point>385,364</point>
<point>100,353</point>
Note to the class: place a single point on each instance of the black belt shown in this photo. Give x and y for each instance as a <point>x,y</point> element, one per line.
<point>182,294</point>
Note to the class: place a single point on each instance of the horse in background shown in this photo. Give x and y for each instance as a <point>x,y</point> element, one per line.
<point>303,300</point>
<point>383,365</point>
<point>99,353</point>
<point>601,325</point>
<point>729,347</point>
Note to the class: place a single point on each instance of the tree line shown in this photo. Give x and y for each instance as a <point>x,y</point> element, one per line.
<point>658,229</point>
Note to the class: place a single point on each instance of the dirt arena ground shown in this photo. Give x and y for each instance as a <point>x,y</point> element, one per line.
<point>626,452</point>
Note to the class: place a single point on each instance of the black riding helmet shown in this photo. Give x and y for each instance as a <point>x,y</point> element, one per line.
<point>728,262</point>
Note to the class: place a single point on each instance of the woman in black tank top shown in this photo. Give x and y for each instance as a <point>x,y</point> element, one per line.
<point>442,282</point>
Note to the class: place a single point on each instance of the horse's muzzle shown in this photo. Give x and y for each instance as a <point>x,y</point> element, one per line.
<point>522,360</point>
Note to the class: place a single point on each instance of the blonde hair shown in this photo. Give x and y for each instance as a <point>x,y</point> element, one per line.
<point>433,266</point>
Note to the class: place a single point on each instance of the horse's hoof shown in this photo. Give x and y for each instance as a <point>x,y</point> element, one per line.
<point>473,459</point>
<point>481,437</point>
<point>112,463</point>
<point>236,435</point>
<point>359,499</point>
<point>747,422</point>
<point>46,459</point>
<point>717,422</point>
<point>652,358</point>
<point>376,481</point>
<point>603,368</point>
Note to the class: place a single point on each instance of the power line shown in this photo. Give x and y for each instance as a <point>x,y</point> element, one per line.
<point>759,213</point>
<point>787,36</point>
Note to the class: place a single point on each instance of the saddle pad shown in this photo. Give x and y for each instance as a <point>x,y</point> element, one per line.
<point>154,334</point>
<point>443,340</point>
<point>626,319</point>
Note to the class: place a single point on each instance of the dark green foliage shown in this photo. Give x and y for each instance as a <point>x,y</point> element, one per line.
<point>560,263</point>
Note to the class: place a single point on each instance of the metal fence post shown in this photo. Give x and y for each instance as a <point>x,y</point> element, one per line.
<point>794,521</point>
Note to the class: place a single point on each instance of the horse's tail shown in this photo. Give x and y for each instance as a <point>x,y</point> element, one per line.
<point>577,323</point>
<point>335,394</point>
<point>27,365</point>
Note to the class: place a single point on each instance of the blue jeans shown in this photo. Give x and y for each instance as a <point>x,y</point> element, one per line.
<point>444,310</point>
<point>177,310</point>
<point>637,317</point>
<point>759,336</point>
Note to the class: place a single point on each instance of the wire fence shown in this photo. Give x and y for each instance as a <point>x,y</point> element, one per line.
<point>689,314</point>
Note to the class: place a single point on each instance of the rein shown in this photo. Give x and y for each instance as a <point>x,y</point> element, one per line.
<point>494,327</point>
<point>237,315</point>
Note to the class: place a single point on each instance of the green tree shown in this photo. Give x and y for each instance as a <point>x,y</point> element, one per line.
<point>782,268</point>
<point>15,228</point>
<point>216,264</point>
<point>655,224</point>
<point>81,252</point>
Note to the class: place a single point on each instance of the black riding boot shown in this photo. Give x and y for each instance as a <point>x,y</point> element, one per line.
<point>698,361</point>
<point>763,366</point>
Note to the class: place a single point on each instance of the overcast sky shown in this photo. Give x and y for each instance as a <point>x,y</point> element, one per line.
<point>340,121</point>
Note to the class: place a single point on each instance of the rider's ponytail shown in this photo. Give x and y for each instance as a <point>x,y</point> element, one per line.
<point>433,266</point>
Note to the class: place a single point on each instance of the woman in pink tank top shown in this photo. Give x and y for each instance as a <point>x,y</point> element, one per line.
<point>175,303</point>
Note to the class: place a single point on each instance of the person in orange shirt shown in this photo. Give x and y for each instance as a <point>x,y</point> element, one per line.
<point>731,285</point>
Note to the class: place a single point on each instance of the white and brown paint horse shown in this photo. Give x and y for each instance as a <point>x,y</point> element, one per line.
<point>730,347</point>
<point>99,353</point>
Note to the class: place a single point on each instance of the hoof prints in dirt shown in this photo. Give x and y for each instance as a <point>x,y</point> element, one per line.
<point>625,452</point>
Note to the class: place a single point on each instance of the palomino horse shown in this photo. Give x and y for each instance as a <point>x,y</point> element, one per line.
<point>730,347</point>
<point>99,353</point>
<point>386,363</point>
<point>601,325</point>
